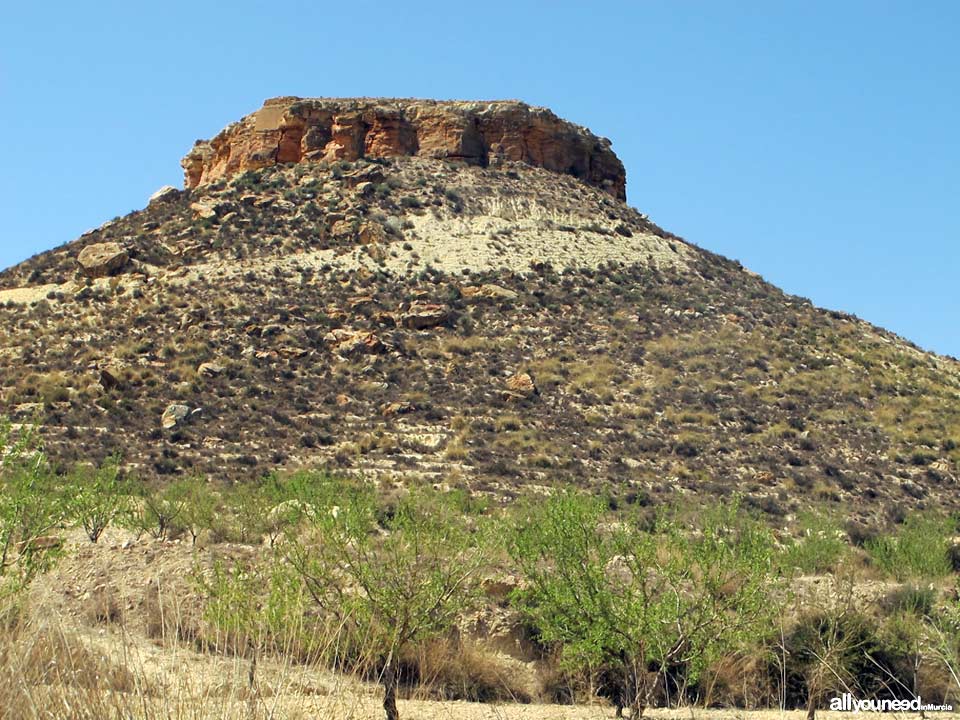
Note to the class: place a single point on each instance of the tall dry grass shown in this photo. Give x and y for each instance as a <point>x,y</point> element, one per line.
<point>52,671</point>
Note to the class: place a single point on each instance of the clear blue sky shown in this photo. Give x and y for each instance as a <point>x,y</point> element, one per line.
<point>816,142</point>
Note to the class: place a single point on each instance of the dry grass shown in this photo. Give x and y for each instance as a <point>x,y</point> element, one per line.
<point>53,671</point>
<point>449,669</point>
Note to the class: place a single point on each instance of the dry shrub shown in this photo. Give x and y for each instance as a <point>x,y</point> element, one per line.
<point>935,681</point>
<point>740,681</point>
<point>47,673</point>
<point>559,687</point>
<point>168,618</point>
<point>103,606</point>
<point>448,669</point>
<point>44,656</point>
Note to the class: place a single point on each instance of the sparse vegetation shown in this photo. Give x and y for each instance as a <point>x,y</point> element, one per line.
<point>31,504</point>
<point>819,546</point>
<point>640,607</point>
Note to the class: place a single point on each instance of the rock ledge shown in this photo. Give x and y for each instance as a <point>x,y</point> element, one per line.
<point>294,130</point>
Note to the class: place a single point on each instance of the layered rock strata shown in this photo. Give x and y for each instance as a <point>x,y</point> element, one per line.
<point>295,130</point>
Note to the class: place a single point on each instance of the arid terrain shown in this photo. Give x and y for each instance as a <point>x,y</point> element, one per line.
<point>490,327</point>
<point>452,298</point>
<point>102,602</point>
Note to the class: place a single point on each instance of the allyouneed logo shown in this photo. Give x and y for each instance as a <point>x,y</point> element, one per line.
<point>848,703</point>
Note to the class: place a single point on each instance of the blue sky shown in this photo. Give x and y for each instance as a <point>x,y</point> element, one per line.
<point>816,142</point>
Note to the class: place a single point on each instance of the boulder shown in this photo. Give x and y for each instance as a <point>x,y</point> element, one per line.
<point>364,175</point>
<point>346,342</point>
<point>164,194</point>
<point>372,233</point>
<point>342,228</point>
<point>396,408</point>
<point>102,259</point>
<point>500,587</point>
<point>174,416</point>
<point>44,543</point>
<point>487,292</point>
<point>420,316</point>
<point>210,369</point>
<point>109,378</point>
<point>521,386</point>
<point>204,211</point>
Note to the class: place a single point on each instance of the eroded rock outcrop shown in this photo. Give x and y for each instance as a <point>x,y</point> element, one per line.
<point>294,130</point>
<point>102,259</point>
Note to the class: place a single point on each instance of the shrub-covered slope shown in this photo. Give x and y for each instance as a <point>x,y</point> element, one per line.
<point>491,328</point>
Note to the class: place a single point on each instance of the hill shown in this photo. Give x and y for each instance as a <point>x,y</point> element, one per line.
<point>457,293</point>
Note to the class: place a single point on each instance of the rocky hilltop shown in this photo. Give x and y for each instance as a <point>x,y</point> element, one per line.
<point>294,130</point>
<point>456,293</point>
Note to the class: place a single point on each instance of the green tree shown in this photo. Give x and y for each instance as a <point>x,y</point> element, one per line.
<point>98,496</point>
<point>290,500</point>
<point>157,511</point>
<point>640,602</point>
<point>821,545</point>
<point>248,507</point>
<point>255,607</point>
<point>394,582</point>
<point>199,506</point>
<point>31,502</point>
<point>274,505</point>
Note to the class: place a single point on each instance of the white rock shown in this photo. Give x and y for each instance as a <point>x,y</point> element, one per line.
<point>164,194</point>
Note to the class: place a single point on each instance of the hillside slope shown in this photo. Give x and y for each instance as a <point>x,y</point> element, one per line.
<point>490,325</point>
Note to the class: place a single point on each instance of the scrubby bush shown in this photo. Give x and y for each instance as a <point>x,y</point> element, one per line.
<point>199,506</point>
<point>818,548</point>
<point>912,599</point>
<point>157,510</point>
<point>838,648</point>
<point>247,507</point>
<point>919,550</point>
<point>649,606</point>
<point>256,607</point>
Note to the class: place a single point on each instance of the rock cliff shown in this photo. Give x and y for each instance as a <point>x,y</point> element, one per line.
<point>295,130</point>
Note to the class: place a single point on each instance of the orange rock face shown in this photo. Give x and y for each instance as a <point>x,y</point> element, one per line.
<point>294,130</point>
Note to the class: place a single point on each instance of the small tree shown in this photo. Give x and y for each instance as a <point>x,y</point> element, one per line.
<point>157,511</point>
<point>256,607</point>
<point>723,584</point>
<point>591,589</point>
<point>828,648</point>
<point>637,603</point>
<point>98,496</point>
<point>391,583</point>
<point>248,506</point>
<point>940,639</point>
<point>31,501</point>
<point>273,506</point>
<point>291,499</point>
<point>199,506</point>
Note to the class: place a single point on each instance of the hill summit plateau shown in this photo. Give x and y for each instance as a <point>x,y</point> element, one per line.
<point>457,293</point>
